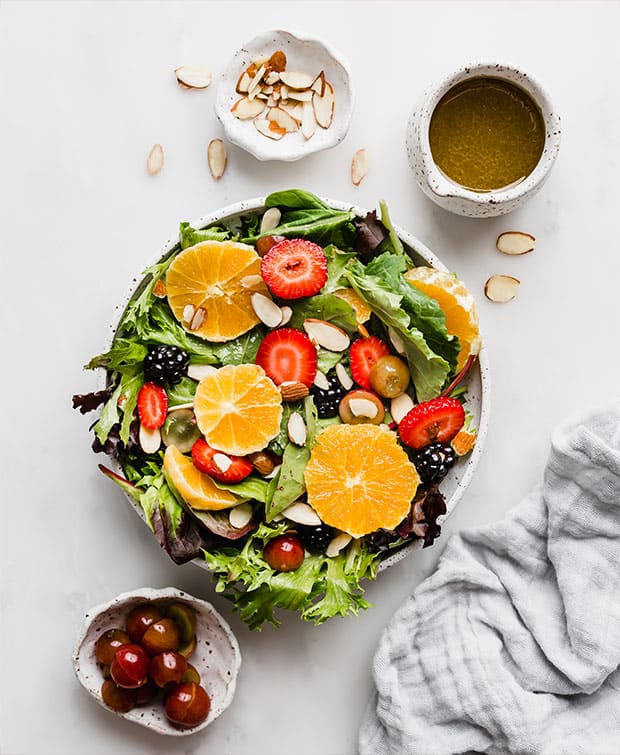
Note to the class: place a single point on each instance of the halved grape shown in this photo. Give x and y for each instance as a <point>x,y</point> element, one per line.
<point>180,430</point>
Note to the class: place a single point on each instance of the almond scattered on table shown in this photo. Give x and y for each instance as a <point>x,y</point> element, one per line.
<point>359,166</point>
<point>193,77</point>
<point>515,242</point>
<point>155,160</point>
<point>501,288</point>
<point>217,157</point>
<point>287,101</point>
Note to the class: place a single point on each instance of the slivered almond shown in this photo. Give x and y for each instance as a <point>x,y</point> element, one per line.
<point>155,159</point>
<point>159,289</point>
<point>400,406</point>
<point>337,544</point>
<point>200,371</point>
<point>321,381</point>
<point>283,91</point>
<point>254,87</point>
<point>216,156</point>
<point>189,310</point>
<point>198,318</point>
<point>296,429</point>
<point>263,126</point>
<point>283,119</point>
<point>292,390</point>
<point>324,106</point>
<point>515,242</point>
<point>327,335</point>
<point>222,462</point>
<point>150,440</point>
<point>501,288</point>
<point>262,462</point>
<point>363,407</point>
<point>287,313</point>
<point>266,310</point>
<point>250,281</point>
<point>264,97</point>
<point>271,77</point>
<point>246,109</point>
<point>343,376</point>
<point>296,79</point>
<point>318,85</point>
<point>193,77</point>
<point>396,339</point>
<point>243,83</point>
<point>240,515</point>
<point>359,166</point>
<point>302,513</point>
<point>308,121</point>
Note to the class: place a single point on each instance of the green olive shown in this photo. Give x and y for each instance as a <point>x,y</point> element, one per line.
<point>389,376</point>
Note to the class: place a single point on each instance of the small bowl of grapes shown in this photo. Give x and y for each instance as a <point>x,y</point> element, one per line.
<point>160,658</point>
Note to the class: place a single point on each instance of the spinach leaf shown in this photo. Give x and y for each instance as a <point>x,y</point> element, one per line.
<point>290,483</point>
<point>295,199</point>
<point>324,307</point>
<point>181,393</point>
<point>252,488</point>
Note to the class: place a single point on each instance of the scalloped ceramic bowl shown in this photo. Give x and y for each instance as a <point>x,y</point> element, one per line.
<point>304,53</point>
<point>478,394</point>
<point>217,657</point>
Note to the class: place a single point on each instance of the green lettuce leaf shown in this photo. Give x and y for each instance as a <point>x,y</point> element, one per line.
<point>290,480</point>
<point>190,236</point>
<point>251,489</point>
<point>324,307</point>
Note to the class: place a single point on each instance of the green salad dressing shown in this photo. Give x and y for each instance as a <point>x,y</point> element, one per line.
<point>486,133</point>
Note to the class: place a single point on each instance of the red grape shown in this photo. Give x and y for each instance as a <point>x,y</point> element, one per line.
<point>167,668</point>
<point>187,704</point>
<point>145,693</point>
<point>107,645</point>
<point>161,636</point>
<point>119,699</point>
<point>130,666</point>
<point>284,553</point>
<point>140,619</point>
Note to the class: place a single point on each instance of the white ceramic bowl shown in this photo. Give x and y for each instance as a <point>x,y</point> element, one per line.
<point>450,195</point>
<point>304,53</point>
<point>478,394</point>
<point>217,657</point>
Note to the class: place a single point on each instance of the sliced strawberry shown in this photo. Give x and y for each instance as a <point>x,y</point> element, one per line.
<point>222,467</point>
<point>288,355</point>
<point>152,406</point>
<point>439,419</point>
<point>294,268</point>
<point>363,354</point>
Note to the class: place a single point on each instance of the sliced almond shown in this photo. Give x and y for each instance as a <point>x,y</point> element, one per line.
<point>198,318</point>
<point>396,339</point>
<point>324,106</point>
<point>292,390</point>
<point>318,85</point>
<point>216,156</point>
<point>515,242</point>
<point>240,515</point>
<point>287,313</point>
<point>283,119</point>
<point>266,310</point>
<point>193,77</point>
<point>270,220</point>
<point>343,376</point>
<point>363,407</point>
<point>329,336</point>
<point>264,127</point>
<point>222,462</point>
<point>296,429</point>
<point>271,102</point>
<point>200,371</point>
<point>302,513</point>
<point>359,166</point>
<point>283,91</point>
<point>251,281</point>
<point>246,109</point>
<point>294,109</point>
<point>267,89</point>
<point>155,160</point>
<point>308,121</point>
<point>264,97</point>
<point>337,544</point>
<point>188,405</point>
<point>271,77</point>
<point>302,95</point>
<point>254,87</point>
<point>243,83</point>
<point>150,440</point>
<point>189,310</point>
<point>400,406</point>
<point>321,381</point>
<point>501,288</point>
<point>296,79</point>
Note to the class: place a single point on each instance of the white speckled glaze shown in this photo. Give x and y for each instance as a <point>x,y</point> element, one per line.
<point>217,656</point>
<point>478,381</point>
<point>450,195</point>
<point>304,53</point>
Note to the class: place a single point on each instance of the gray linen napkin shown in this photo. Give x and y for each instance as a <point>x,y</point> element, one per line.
<point>513,644</point>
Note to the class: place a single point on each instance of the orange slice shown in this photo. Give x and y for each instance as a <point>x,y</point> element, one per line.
<point>238,409</point>
<point>219,278</point>
<point>196,488</point>
<point>359,479</point>
<point>361,309</point>
<point>457,304</point>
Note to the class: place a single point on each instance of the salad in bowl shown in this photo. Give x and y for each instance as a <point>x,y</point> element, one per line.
<point>288,401</point>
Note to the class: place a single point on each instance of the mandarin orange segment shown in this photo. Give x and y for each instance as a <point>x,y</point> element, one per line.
<point>457,304</point>
<point>238,409</point>
<point>361,309</point>
<point>359,479</point>
<point>218,277</point>
<point>196,488</point>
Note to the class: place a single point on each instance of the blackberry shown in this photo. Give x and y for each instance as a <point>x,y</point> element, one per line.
<point>327,401</point>
<point>165,365</point>
<point>315,539</point>
<point>434,461</point>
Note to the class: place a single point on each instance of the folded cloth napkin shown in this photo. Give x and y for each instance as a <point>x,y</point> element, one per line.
<point>513,644</point>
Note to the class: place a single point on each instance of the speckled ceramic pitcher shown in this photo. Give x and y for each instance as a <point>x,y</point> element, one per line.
<point>454,197</point>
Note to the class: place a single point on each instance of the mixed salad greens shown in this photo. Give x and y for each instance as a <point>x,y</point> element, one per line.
<point>363,254</point>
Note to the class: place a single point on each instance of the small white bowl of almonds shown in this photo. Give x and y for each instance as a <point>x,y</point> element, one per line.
<point>284,96</point>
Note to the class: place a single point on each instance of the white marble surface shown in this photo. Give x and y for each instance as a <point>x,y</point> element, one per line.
<point>85,89</point>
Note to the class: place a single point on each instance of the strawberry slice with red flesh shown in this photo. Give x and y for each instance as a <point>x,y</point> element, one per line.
<point>287,355</point>
<point>222,467</point>
<point>439,420</point>
<point>152,406</point>
<point>363,354</point>
<point>294,268</point>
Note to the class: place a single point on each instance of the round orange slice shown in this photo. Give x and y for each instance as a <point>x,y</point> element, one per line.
<point>238,409</point>
<point>360,479</point>
<point>209,288</point>
<point>457,303</point>
<point>196,488</point>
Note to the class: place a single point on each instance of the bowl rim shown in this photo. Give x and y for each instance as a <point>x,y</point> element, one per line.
<point>482,362</point>
<point>263,150</point>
